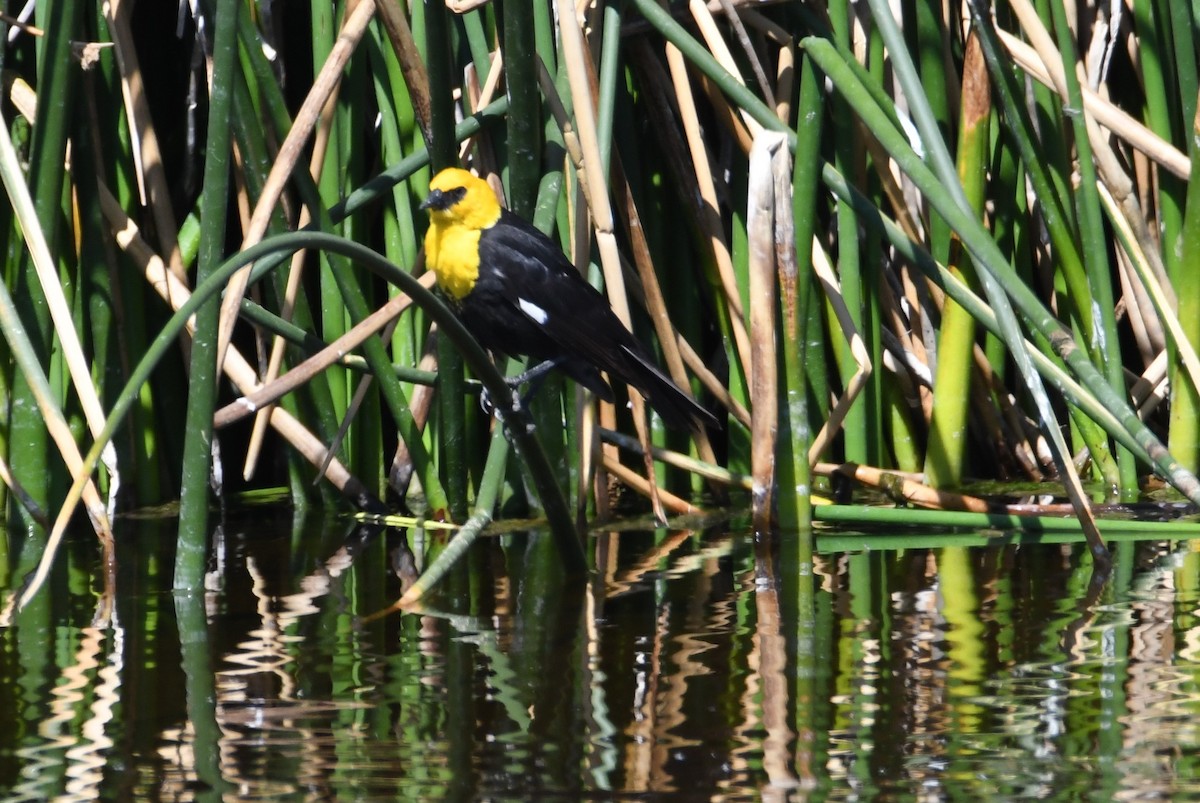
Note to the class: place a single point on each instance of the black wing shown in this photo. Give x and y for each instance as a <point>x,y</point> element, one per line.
<point>532,301</point>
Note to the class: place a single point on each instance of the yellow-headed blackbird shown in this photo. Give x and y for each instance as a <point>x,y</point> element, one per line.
<point>515,291</point>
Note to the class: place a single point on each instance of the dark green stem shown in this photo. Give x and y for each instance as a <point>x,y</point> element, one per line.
<point>191,550</point>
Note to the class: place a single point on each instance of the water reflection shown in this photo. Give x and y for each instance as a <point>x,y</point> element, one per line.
<point>689,663</point>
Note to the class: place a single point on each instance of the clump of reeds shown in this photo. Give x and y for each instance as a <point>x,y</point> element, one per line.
<point>911,251</point>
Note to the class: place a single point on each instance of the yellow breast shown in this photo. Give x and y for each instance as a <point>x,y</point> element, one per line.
<point>452,253</point>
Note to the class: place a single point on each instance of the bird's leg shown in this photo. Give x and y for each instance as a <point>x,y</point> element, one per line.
<point>533,377</point>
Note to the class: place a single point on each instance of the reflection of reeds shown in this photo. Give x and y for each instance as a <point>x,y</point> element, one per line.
<point>777,704</point>
<point>699,663</point>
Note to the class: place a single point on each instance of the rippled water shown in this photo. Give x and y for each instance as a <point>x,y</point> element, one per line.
<point>689,664</point>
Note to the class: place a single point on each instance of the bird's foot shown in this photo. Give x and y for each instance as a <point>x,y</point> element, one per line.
<point>489,406</point>
<point>506,414</point>
<point>515,411</point>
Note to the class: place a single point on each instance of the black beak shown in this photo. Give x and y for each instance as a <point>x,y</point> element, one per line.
<point>436,200</point>
<point>442,200</point>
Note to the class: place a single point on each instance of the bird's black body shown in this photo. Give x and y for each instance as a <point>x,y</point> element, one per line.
<point>527,299</point>
<point>518,263</point>
<point>579,329</point>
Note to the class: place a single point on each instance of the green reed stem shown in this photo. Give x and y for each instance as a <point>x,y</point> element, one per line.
<point>191,552</point>
<point>916,517</point>
<point>859,444</point>
<point>1185,396</point>
<point>610,74</point>
<point>477,43</point>
<point>526,123</point>
<point>400,244</point>
<point>1159,114</point>
<point>947,443</point>
<point>29,367</point>
<point>268,103</point>
<point>795,473</point>
<point>930,29</point>
<point>451,432</point>
<point>309,344</point>
<point>525,109</point>
<point>28,443</point>
<point>696,53</point>
<point>350,300</point>
<point>1094,241</point>
<point>1183,31</point>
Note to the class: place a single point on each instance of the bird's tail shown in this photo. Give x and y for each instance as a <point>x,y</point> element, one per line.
<point>677,408</point>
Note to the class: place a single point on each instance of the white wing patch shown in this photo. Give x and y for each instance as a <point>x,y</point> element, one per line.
<point>536,313</point>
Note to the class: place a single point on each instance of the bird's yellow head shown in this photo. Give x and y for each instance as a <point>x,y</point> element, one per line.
<point>461,206</point>
<point>457,198</point>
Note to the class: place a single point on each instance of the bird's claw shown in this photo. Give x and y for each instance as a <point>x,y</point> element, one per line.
<point>490,408</point>
<point>505,414</point>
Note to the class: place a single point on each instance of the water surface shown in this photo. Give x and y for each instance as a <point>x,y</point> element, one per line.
<point>690,664</point>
